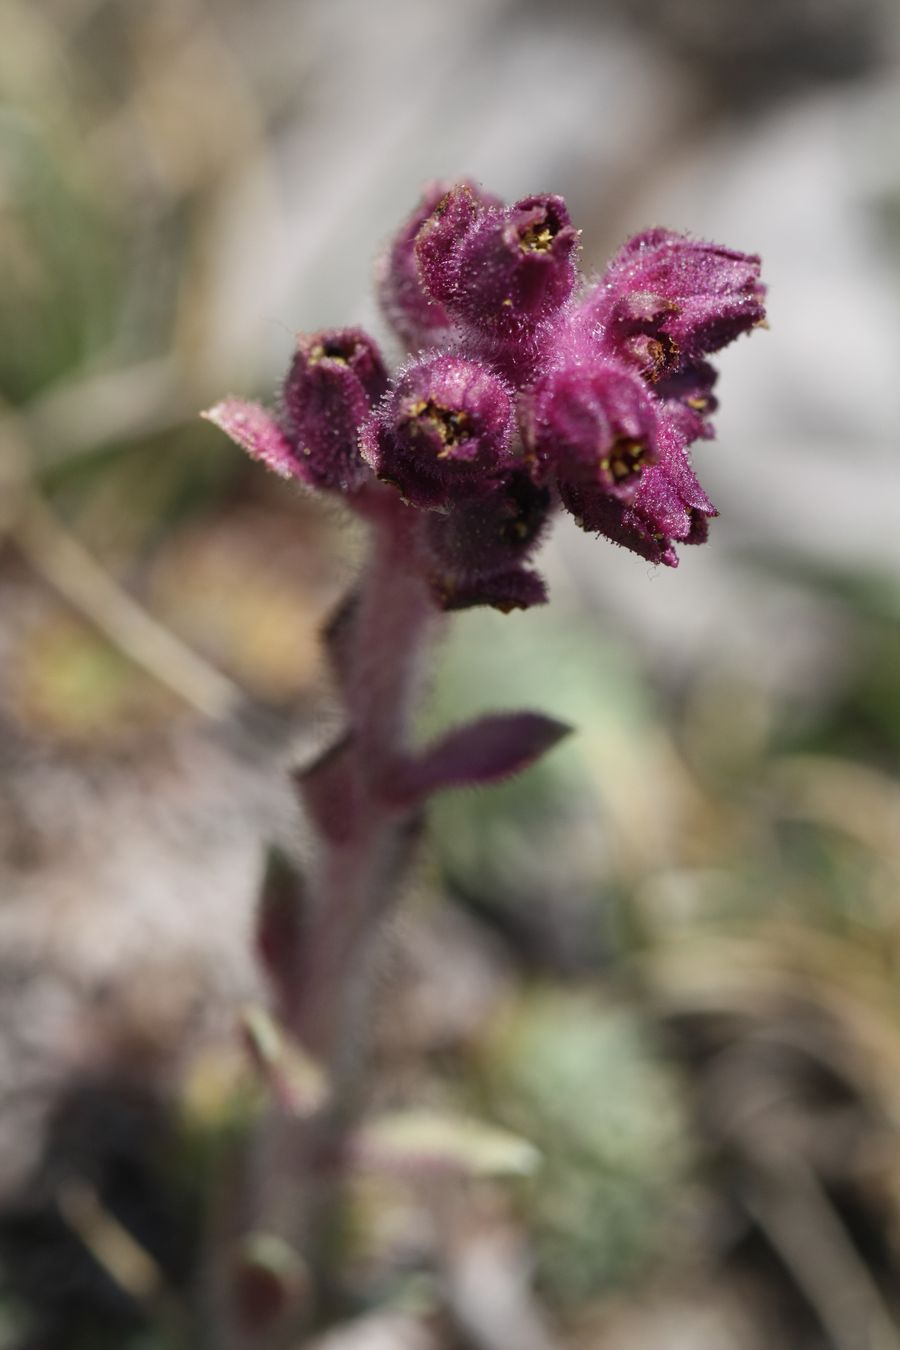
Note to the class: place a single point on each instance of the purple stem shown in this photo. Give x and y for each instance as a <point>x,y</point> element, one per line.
<point>360,871</point>
<point>364,846</point>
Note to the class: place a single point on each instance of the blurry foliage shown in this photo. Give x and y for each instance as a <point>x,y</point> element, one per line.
<point>63,293</point>
<point>535,852</point>
<point>583,1082</point>
<point>69,685</point>
<point>741,876</point>
<point>864,721</point>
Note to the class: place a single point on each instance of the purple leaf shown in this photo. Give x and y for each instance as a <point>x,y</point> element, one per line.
<point>481,752</point>
<point>257,431</point>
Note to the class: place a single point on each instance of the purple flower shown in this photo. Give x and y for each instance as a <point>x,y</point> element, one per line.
<point>441,237</point>
<point>416,316</point>
<point>689,400</point>
<point>527,394</point>
<point>444,432</point>
<point>665,301</point>
<point>668,506</point>
<point>479,548</point>
<point>501,271</point>
<point>334,379</point>
<point>592,424</point>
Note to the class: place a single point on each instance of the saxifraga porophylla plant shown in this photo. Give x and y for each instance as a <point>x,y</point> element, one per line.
<point>526,389</point>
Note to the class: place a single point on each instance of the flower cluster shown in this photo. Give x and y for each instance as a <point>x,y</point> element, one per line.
<point>525,387</point>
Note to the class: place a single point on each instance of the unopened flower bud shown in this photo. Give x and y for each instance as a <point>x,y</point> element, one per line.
<point>592,424</point>
<point>334,379</point>
<point>444,432</point>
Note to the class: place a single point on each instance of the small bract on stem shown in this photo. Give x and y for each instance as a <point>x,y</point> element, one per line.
<point>526,390</point>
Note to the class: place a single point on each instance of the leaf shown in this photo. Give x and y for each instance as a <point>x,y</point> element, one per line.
<point>485,751</point>
<point>429,1141</point>
<point>294,1078</point>
<point>256,430</point>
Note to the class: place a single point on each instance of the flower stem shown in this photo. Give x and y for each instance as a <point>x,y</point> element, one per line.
<point>361,869</point>
<point>365,845</point>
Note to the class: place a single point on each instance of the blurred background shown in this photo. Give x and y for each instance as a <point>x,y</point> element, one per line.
<point>668,958</point>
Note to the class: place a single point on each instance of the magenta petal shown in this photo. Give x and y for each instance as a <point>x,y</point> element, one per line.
<point>487,536</point>
<point>517,266</point>
<point>598,513</point>
<point>257,431</point>
<point>484,751</point>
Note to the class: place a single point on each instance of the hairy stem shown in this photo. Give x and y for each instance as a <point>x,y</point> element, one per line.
<point>365,846</point>
<point>360,871</point>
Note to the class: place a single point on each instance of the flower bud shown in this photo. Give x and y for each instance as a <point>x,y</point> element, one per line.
<point>689,400</point>
<point>334,379</point>
<point>669,506</point>
<point>443,434</point>
<point>592,424</point>
<point>519,588</point>
<point>442,234</point>
<point>417,315</point>
<point>666,300</point>
<point>479,547</point>
<point>524,396</point>
<point>500,271</point>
